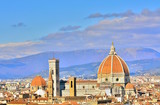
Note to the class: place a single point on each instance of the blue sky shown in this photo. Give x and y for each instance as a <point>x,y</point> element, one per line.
<point>34,26</point>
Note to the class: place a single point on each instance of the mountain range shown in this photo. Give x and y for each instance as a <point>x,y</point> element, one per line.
<point>138,67</point>
<point>78,62</point>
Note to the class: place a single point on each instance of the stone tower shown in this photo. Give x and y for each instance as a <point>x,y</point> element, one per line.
<point>54,70</point>
<point>72,86</point>
<point>50,87</point>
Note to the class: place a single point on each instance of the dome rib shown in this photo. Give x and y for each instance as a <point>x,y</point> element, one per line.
<point>120,63</point>
<point>113,64</point>
<point>100,69</point>
<point>125,66</point>
<point>117,68</point>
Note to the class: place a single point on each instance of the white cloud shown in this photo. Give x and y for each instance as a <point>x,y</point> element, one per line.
<point>137,30</point>
<point>19,44</point>
<point>70,28</point>
<point>127,31</point>
<point>124,14</point>
<point>19,49</point>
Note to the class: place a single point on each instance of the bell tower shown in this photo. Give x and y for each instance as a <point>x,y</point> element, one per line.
<point>54,70</point>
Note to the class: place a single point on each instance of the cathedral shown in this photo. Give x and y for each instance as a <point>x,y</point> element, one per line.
<point>113,79</point>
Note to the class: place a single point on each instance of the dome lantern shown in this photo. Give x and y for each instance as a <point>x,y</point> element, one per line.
<point>112,51</point>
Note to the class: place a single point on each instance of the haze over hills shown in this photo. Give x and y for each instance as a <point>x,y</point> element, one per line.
<point>80,61</point>
<point>138,67</point>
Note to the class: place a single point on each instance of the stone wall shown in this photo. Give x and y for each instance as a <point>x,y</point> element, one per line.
<point>82,89</point>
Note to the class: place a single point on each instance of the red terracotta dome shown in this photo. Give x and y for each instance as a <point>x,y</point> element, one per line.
<point>38,81</point>
<point>113,64</point>
<point>129,86</point>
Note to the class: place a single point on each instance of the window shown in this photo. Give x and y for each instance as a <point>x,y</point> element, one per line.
<point>71,84</point>
<point>117,79</point>
<point>51,72</point>
<point>83,87</point>
<point>93,87</point>
<point>106,79</point>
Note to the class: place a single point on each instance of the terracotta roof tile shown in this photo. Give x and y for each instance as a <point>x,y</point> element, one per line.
<point>113,64</point>
<point>17,102</point>
<point>129,86</point>
<point>38,81</point>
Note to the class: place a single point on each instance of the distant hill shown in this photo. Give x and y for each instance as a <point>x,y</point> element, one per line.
<point>138,67</point>
<point>23,67</point>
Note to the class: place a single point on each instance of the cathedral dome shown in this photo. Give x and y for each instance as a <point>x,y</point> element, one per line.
<point>38,81</point>
<point>113,64</point>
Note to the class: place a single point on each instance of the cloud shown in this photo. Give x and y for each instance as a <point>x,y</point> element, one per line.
<point>138,30</point>
<point>19,49</point>
<point>128,13</point>
<point>18,44</point>
<point>70,28</point>
<point>99,15</point>
<point>20,24</point>
<point>126,30</point>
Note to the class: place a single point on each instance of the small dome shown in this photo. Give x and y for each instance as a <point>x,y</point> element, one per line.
<point>38,81</point>
<point>129,86</point>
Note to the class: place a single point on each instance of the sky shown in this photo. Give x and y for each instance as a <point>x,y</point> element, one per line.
<point>33,26</point>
